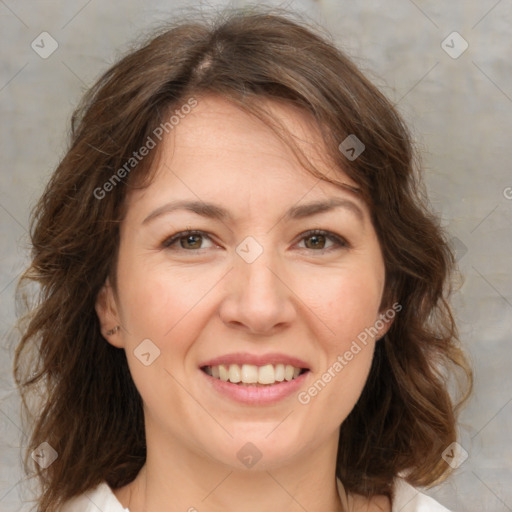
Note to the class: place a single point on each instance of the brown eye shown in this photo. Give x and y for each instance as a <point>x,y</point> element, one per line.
<point>319,239</point>
<point>188,240</point>
<point>191,242</point>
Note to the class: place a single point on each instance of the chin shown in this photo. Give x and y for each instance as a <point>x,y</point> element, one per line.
<point>257,446</point>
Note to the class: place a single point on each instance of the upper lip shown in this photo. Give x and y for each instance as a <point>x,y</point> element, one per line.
<point>256,359</point>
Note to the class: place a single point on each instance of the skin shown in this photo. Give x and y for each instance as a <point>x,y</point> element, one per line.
<point>200,300</point>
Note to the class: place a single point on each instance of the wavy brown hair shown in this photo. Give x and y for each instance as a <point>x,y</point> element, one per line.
<point>85,396</point>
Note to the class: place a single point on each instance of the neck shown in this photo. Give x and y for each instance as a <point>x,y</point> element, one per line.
<point>178,477</point>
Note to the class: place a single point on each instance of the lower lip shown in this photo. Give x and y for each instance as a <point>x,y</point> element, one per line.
<point>256,395</point>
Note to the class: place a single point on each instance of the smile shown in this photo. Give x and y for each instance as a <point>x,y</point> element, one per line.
<point>252,375</point>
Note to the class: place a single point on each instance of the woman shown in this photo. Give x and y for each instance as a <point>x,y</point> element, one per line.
<point>243,295</point>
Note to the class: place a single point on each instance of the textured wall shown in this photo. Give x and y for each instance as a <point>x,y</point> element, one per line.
<point>458,104</point>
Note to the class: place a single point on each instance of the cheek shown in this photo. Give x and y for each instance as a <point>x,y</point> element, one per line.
<point>161,307</point>
<point>349,304</point>
<point>156,300</point>
<point>347,354</point>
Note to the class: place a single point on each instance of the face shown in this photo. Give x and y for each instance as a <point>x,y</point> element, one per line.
<point>249,283</point>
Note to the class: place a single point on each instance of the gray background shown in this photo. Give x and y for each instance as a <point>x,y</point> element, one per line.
<point>460,110</point>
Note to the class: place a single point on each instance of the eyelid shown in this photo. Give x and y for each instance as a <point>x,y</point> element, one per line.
<point>339,241</point>
<point>182,234</point>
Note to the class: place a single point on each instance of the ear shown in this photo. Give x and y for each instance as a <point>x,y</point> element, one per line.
<point>386,319</point>
<point>383,329</point>
<point>106,309</point>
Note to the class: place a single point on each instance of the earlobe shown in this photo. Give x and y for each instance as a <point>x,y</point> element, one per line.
<point>386,328</point>
<point>383,324</point>
<point>106,310</point>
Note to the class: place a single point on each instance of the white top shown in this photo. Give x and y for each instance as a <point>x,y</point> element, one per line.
<point>407,499</point>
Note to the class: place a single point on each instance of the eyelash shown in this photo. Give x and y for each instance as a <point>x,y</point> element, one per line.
<point>339,241</point>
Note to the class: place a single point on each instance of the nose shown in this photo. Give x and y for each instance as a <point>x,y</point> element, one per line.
<point>258,299</point>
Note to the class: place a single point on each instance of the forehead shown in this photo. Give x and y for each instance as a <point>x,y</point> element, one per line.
<point>217,123</point>
<point>220,149</point>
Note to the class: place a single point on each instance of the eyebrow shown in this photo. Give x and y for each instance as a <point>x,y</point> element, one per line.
<point>214,211</point>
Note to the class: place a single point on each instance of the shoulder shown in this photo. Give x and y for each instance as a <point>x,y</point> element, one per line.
<point>408,499</point>
<point>100,497</point>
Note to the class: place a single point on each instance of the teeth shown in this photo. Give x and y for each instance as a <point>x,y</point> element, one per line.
<point>251,374</point>
<point>266,374</point>
<point>279,372</point>
<point>235,375</point>
<point>223,372</point>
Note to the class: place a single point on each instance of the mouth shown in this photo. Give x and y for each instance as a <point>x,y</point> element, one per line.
<point>249,375</point>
